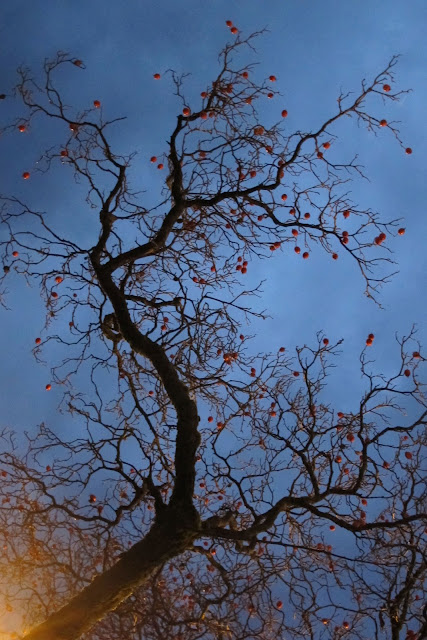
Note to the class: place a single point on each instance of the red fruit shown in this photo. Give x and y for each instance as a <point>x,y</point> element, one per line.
<point>210,419</point>
<point>160,166</point>
<point>22,128</point>
<point>371,336</point>
<point>305,255</point>
<point>319,155</point>
<point>48,468</point>
<point>407,373</point>
<point>297,250</point>
<point>96,104</point>
<point>386,87</point>
<point>408,455</point>
<point>64,153</point>
<point>244,270</point>
<point>92,498</point>
<point>270,95</point>
<point>151,393</point>
<point>346,625</point>
<point>78,63</point>
<point>334,256</point>
<point>325,341</point>
<point>234,30</point>
<point>346,213</point>
<point>401,231</point>
<point>54,294</point>
<point>26,175</point>
<point>306,216</point>
<point>282,349</point>
<point>408,151</point>
<point>326,145</point>
<point>15,254</point>
<point>350,437</point>
<point>340,414</point>
<point>204,94</point>
<point>294,232</point>
<point>58,279</point>
<point>272,78</point>
<point>279,604</point>
<point>332,527</point>
<point>296,374</point>
<point>386,465</point>
<point>325,621</point>
<point>245,74</point>
<point>292,211</point>
<point>48,387</point>
<point>156,76</point>
<point>364,502</point>
<point>383,123</point>
<point>284,197</point>
<point>204,115</point>
<point>228,23</point>
<point>38,340</point>
<point>186,111</point>
<point>284,113</point>
<point>416,354</point>
<point>153,159</point>
<point>368,342</point>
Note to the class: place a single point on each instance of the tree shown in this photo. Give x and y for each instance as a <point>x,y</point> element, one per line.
<point>200,500</point>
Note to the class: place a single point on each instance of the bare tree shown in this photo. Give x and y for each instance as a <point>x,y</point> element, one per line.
<point>208,479</point>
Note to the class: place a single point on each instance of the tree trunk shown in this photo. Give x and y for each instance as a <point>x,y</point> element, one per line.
<point>163,542</point>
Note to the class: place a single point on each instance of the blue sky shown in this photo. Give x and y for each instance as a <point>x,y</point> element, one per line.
<point>315,49</point>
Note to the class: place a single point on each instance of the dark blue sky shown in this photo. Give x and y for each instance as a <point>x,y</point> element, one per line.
<point>315,49</point>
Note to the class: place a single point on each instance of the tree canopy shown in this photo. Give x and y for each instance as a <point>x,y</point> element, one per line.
<point>207,481</point>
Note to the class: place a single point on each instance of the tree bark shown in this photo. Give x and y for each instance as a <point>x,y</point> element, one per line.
<point>164,541</point>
